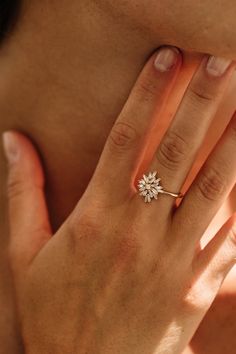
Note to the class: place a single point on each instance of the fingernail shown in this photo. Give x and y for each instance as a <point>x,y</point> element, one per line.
<point>11,147</point>
<point>166,59</point>
<point>217,66</point>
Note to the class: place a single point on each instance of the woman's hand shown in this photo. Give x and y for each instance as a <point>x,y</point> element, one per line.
<point>122,276</point>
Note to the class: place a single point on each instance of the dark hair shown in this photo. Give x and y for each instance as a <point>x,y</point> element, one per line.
<point>8,14</point>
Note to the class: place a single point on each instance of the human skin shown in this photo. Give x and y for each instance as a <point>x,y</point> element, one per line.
<point>200,26</point>
<point>66,94</point>
<point>103,282</point>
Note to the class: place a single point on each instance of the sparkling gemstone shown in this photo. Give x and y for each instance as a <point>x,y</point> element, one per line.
<point>149,186</point>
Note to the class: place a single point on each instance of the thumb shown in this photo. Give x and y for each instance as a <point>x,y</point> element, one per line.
<point>28,215</point>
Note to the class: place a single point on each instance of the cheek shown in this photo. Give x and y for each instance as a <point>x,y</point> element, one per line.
<point>200,32</point>
<point>206,26</point>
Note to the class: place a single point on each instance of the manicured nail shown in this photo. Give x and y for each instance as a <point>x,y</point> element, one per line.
<point>217,66</point>
<point>166,59</point>
<point>11,147</point>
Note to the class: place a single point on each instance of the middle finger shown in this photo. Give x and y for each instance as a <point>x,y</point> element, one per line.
<point>178,148</point>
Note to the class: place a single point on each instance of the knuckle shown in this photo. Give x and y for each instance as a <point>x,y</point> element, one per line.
<point>190,303</point>
<point>15,187</point>
<point>195,301</point>
<point>201,95</point>
<point>172,151</point>
<point>211,185</point>
<point>196,296</point>
<point>146,89</point>
<point>123,136</point>
<point>83,226</point>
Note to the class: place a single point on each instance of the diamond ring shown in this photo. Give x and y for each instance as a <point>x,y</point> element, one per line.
<point>149,188</point>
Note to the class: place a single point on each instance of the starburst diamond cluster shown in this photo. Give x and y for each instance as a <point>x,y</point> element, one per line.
<point>149,186</point>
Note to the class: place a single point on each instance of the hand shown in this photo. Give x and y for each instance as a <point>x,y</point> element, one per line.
<point>122,276</point>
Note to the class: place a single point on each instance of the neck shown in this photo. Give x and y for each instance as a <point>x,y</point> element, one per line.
<point>64,85</point>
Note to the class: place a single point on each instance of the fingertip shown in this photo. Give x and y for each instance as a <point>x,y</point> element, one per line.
<point>22,155</point>
<point>167,58</point>
<point>11,146</point>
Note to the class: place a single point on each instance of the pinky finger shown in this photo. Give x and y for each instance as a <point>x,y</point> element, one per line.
<point>216,260</point>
